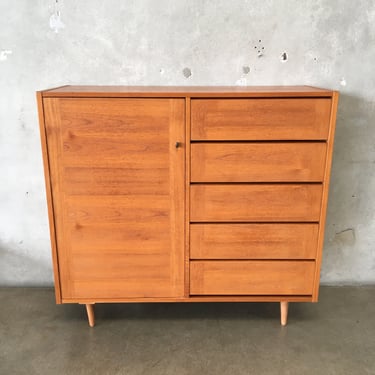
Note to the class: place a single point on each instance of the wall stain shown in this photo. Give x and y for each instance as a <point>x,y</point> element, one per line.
<point>187,72</point>
<point>245,69</point>
<point>345,237</point>
<point>284,57</point>
<point>259,48</point>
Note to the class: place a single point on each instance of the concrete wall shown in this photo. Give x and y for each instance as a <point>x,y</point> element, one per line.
<point>328,43</point>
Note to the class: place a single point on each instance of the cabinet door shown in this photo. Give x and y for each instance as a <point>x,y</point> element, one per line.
<point>118,196</point>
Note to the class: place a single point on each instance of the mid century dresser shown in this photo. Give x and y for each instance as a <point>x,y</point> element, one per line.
<point>185,194</point>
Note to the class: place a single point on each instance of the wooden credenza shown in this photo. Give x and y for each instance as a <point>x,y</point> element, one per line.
<point>183,194</point>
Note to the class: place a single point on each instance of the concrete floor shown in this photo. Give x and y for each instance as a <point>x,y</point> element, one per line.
<point>335,336</point>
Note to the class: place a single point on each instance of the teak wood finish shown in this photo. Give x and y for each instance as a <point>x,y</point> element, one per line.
<point>187,194</point>
<point>109,201</point>
<point>255,202</point>
<point>251,277</point>
<point>258,162</point>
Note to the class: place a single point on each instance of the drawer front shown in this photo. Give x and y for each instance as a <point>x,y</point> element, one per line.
<point>251,277</point>
<point>255,202</point>
<point>260,119</point>
<point>258,162</point>
<point>253,241</point>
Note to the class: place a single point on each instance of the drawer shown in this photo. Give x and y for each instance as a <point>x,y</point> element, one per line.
<point>255,202</point>
<point>251,277</point>
<point>253,241</point>
<point>258,162</point>
<point>260,119</point>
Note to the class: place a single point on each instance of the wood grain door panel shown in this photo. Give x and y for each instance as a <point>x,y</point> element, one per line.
<point>116,181</point>
<point>118,194</point>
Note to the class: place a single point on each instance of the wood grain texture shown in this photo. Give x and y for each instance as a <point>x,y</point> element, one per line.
<point>177,209</point>
<point>116,133</point>
<point>260,119</point>
<point>111,289</point>
<point>52,129</point>
<point>90,314</point>
<point>201,298</point>
<point>92,237</point>
<point>327,176</point>
<point>119,185</point>
<point>253,241</point>
<point>258,162</point>
<point>115,181</point>
<point>187,195</point>
<point>135,219</point>
<point>120,209</point>
<point>49,196</point>
<point>284,307</point>
<point>255,202</point>
<point>186,91</point>
<point>251,277</point>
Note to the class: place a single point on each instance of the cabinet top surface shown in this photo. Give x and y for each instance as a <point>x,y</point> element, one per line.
<point>187,91</point>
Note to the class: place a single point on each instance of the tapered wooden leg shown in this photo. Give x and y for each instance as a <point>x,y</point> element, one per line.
<point>284,312</point>
<point>90,314</point>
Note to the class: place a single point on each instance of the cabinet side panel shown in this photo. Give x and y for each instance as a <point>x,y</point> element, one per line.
<point>52,128</point>
<point>327,175</point>
<point>49,196</point>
